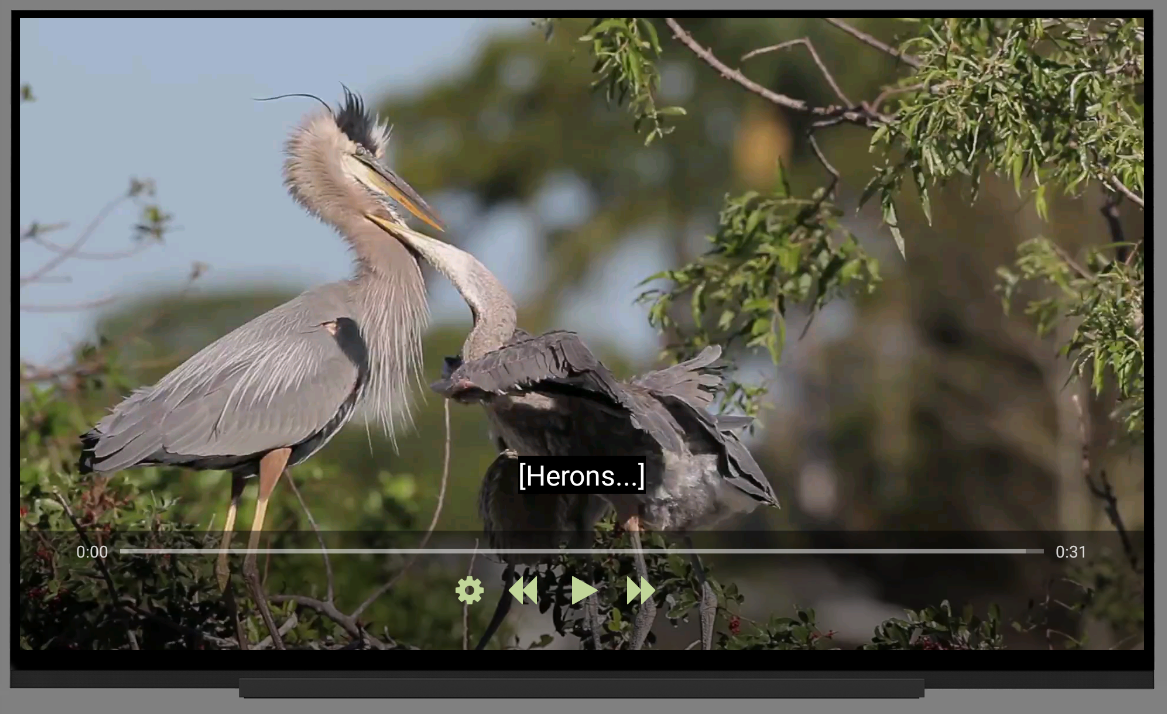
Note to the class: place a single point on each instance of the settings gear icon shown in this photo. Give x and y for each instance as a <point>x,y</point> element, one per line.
<point>469,590</point>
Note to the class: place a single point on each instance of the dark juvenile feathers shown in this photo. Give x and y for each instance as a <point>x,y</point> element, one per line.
<point>686,389</point>
<point>514,520</point>
<point>558,361</point>
<point>694,381</point>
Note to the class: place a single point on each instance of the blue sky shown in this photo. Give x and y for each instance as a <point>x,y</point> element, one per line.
<point>171,100</point>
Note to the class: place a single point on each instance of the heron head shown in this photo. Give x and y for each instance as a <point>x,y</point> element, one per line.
<point>337,161</point>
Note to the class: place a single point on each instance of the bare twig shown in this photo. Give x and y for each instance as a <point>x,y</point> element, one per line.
<point>1121,188</point>
<point>1069,260</point>
<point>1134,252</point>
<point>289,625</point>
<point>860,115</point>
<point>98,363</point>
<point>236,616</point>
<point>466,605</point>
<point>319,538</point>
<point>68,307</point>
<point>835,177</point>
<point>54,279</point>
<point>83,255</point>
<point>36,229</point>
<point>890,91</point>
<point>429,531</point>
<point>805,42</point>
<point>872,42</point>
<point>86,234</point>
<point>1105,492</point>
<point>349,622</point>
<point>101,566</point>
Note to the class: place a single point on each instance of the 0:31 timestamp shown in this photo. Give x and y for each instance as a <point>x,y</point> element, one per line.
<point>1070,551</point>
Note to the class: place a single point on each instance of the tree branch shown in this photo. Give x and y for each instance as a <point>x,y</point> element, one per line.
<point>466,605</point>
<point>835,176</point>
<point>805,42</point>
<point>86,234</point>
<point>105,574</point>
<point>319,539</point>
<point>429,532</point>
<point>1117,185</point>
<point>1105,492</point>
<point>97,363</point>
<point>68,307</point>
<point>860,115</point>
<point>350,623</point>
<point>872,42</point>
<point>36,229</point>
<point>81,255</point>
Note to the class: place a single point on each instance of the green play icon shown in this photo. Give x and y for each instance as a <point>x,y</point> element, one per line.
<point>644,590</point>
<point>580,590</point>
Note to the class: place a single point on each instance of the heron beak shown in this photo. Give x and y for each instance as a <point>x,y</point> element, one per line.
<point>417,241</point>
<point>395,187</point>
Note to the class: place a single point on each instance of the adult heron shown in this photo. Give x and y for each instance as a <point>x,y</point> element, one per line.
<point>548,395</point>
<point>272,393</point>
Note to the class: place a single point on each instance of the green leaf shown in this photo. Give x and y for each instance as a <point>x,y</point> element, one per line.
<point>753,221</point>
<point>653,39</point>
<point>868,191</point>
<point>782,183</point>
<point>890,218</point>
<point>779,342</point>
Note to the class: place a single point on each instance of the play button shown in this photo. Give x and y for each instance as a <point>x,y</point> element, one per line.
<point>580,590</point>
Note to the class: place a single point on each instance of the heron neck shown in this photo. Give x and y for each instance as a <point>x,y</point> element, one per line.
<point>389,297</point>
<point>491,306</point>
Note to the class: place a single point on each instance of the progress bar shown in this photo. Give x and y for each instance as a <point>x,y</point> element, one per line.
<point>584,551</point>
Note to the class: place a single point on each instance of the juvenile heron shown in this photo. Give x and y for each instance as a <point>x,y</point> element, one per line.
<point>271,393</point>
<point>514,522</point>
<point>550,396</point>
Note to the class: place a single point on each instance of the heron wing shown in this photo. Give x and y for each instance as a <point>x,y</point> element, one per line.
<point>739,467</point>
<point>686,389</point>
<point>694,381</point>
<point>559,361</point>
<point>274,382</point>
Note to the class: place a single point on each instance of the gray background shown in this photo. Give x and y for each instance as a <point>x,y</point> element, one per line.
<point>156,700</point>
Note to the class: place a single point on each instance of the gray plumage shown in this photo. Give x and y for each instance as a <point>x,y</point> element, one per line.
<point>292,376</point>
<point>550,396</point>
<point>280,380</point>
<point>273,392</point>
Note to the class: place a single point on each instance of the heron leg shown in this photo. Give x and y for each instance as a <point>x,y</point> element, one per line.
<point>271,467</point>
<point>642,625</point>
<point>500,610</point>
<point>707,608</point>
<point>222,568</point>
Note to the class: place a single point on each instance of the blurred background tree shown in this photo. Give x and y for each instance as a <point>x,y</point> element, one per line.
<point>914,403</point>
